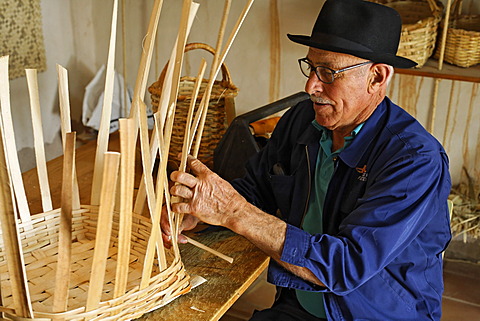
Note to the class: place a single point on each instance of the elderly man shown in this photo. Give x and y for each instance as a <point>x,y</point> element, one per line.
<point>349,197</point>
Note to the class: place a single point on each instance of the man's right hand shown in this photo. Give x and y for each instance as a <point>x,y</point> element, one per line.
<point>189,222</point>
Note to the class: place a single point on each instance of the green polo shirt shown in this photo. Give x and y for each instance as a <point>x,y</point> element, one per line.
<point>312,223</point>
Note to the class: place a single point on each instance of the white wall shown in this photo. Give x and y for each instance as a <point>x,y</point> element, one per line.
<point>77,34</point>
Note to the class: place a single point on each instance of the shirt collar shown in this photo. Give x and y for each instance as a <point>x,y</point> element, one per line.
<point>324,131</point>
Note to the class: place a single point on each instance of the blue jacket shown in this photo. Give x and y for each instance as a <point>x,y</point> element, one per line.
<point>385,215</point>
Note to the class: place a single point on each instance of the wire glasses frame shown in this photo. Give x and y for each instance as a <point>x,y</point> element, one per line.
<point>324,74</point>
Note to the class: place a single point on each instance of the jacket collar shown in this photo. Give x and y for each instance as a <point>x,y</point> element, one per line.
<point>354,153</point>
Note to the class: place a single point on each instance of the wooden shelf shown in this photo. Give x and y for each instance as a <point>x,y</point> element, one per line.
<point>430,69</point>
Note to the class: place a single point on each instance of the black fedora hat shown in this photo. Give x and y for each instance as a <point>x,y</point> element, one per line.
<point>359,28</point>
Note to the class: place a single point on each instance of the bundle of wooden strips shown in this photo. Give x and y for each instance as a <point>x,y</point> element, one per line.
<point>220,103</point>
<point>420,19</point>
<point>466,211</point>
<point>462,44</point>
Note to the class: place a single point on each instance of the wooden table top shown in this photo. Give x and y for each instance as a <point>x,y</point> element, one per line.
<point>225,281</point>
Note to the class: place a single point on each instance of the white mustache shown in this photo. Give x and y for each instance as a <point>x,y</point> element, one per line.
<point>319,100</point>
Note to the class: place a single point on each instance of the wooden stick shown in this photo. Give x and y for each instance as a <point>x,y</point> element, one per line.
<point>186,146</point>
<point>124,58</point>
<point>218,61</point>
<point>104,228</point>
<point>137,107</point>
<point>146,158</point>
<point>167,82</point>
<point>274,51</point>
<point>182,37</point>
<point>11,240</point>
<point>145,60</point>
<point>171,220</point>
<point>449,114</point>
<point>187,138</point>
<point>466,131</point>
<point>206,96</point>
<point>431,125</point>
<point>444,35</point>
<point>213,74</point>
<point>127,177</point>
<point>161,113</point>
<point>10,146</point>
<point>104,130</point>
<point>38,139</point>
<point>66,125</point>
<point>155,232</point>
<point>62,276</point>
<point>180,51</point>
<point>142,193</point>
<point>208,249</point>
<point>139,110</point>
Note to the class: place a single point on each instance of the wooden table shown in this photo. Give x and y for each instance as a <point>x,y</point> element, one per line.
<point>225,281</point>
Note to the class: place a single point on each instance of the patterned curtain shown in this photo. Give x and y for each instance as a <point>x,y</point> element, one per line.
<point>21,36</point>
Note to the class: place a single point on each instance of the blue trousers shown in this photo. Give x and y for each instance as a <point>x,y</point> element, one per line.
<point>285,308</point>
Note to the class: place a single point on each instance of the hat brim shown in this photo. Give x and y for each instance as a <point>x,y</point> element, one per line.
<point>389,59</point>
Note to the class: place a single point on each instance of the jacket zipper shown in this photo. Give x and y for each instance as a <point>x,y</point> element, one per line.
<point>309,185</point>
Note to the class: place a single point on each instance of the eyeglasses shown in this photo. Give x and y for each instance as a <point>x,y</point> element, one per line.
<point>324,74</point>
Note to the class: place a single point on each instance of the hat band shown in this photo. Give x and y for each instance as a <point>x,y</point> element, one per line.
<point>332,40</point>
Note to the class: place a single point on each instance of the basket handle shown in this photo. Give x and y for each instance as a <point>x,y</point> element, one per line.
<point>433,5</point>
<point>226,78</point>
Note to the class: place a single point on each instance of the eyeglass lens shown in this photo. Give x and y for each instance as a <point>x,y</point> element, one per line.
<point>323,73</point>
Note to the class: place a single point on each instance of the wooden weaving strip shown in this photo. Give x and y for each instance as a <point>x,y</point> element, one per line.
<point>62,276</point>
<point>104,130</point>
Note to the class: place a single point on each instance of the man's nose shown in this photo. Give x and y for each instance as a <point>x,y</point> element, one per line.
<point>313,84</point>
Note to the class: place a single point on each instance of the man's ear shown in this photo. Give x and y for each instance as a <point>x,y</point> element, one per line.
<point>380,75</point>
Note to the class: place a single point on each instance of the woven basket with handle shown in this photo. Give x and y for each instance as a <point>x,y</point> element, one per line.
<point>420,19</point>
<point>221,102</point>
<point>462,46</point>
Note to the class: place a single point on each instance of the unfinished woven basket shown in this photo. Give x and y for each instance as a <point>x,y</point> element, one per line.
<point>462,46</point>
<point>420,19</point>
<point>58,265</point>
<point>40,243</point>
<point>221,99</point>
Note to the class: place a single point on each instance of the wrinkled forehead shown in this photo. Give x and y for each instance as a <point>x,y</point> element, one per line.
<point>330,58</point>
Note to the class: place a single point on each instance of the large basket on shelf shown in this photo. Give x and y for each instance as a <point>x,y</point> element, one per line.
<point>420,19</point>
<point>462,45</point>
<point>221,102</point>
<point>39,238</point>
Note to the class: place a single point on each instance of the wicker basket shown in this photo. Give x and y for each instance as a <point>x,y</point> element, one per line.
<point>462,46</point>
<point>419,29</point>
<point>221,99</point>
<point>40,243</point>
